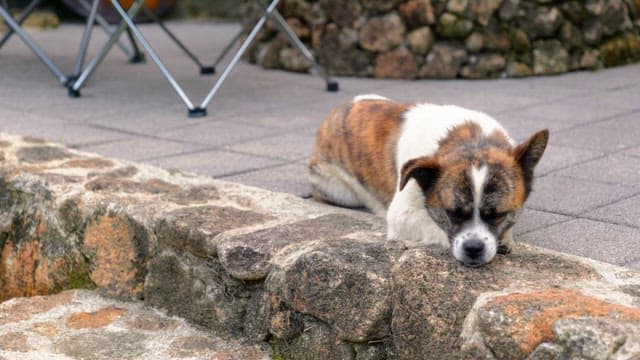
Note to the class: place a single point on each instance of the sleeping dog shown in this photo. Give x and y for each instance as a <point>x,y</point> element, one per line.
<point>443,174</point>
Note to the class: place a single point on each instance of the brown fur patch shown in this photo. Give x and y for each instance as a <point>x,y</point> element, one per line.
<point>467,146</point>
<point>361,137</point>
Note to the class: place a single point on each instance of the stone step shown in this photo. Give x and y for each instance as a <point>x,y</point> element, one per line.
<point>81,324</point>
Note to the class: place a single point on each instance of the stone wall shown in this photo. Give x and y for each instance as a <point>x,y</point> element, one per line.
<point>413,39</point>
<point>311,280</point>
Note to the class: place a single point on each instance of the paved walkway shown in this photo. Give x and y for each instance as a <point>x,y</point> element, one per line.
<point>260,127</point>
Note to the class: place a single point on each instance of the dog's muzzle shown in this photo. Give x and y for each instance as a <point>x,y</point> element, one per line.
<point>474,246</point>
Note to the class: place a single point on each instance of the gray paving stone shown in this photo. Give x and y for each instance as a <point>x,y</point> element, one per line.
<point>217,133</point>
<point>625,122</point>
<point>601,241</point>
<point>615,169</point>
<point>623,98</point>
<point>573,110</point>
<point>142,148</point>
<point>215,163</point>
<point>292,118</point>
<point>521,126</point>
<point>594,137</point>
<point>291,178</point>
<point>613,78</point>
<point>634,264</point>
<point>559,157</point>
<point>290,146</point>
<point>574,196</point>
<point>635,152</point>
<point>531,220</point>
<point>54,129</point>
<point>625,212</point>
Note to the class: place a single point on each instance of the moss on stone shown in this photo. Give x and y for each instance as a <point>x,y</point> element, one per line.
<point>80,279</point>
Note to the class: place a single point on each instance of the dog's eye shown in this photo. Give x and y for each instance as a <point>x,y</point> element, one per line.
<point>458,216</point>
<point>493,218</point>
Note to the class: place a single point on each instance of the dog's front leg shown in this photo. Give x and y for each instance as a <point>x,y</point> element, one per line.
<point>506,243</point>
<point>408,219</point>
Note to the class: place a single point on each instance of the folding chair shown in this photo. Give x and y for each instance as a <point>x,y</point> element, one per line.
<point>15,27</point>
<point>268,12</point>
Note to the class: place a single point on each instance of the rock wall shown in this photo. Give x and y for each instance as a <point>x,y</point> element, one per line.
<point>413,39</point>
<point>313,281</point>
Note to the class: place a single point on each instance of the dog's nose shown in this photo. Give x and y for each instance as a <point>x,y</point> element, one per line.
<point>473,248</point>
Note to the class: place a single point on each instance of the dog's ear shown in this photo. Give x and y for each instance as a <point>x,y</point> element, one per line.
<point>424,169</point>
<point>528,155</point>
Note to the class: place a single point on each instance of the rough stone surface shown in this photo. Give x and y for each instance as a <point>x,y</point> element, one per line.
<point>546,316</point>
<point>339,52</point>
<point>118,249</point>
<point>83,325</point>
<point>198,290</point>
<point>485,27</point>
<point>423,324</point>
<point>549,57</point>
<point>489,65</point>
<point>443,61</point>
<point>397,64</point>
<point>417,13</point>
<point>452,26</point>
<point>420,40</point>
<point>194,229</point>
<point>382,33</point>
<point>346,284</point>
<point>312,281</point>
<point>248,256</point>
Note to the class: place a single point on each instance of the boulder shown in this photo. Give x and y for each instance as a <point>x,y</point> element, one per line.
<point>382,33</point>
<point>443,61</point>
<point>396,64</point>
<point>549,57</point>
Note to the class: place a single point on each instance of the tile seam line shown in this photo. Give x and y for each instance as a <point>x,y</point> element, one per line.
<point>545,227</point>
<point>600,157</point>
<point>242,172</point>
<point>212,148</point>
<point>627,112</point>
<point>577,218</point>
<point>148,136</point>
<point>585,217</point>
<point>600,182</point>
<point>553,101</point>
<point>551,172</point>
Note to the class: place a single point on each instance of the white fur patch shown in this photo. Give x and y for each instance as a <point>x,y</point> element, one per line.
<point>479,180</point>
<point>478,231</point>
<point>408,219</point>
<point>426,124</point>
<point>369,97</point>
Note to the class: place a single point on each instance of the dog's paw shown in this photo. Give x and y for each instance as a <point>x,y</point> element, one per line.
<point>504,249</point>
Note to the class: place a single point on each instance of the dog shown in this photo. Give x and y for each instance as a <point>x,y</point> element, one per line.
<point>443,174</point>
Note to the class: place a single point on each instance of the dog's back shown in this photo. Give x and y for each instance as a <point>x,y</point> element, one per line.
<point>354,154</point>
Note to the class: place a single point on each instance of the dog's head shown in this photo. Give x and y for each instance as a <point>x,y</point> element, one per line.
<point>475,187</point>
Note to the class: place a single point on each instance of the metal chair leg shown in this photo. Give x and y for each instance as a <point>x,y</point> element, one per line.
<point>37,50</point>
<point>74,90</point>
<point>227,70</point>
<point>205,70</point>
<point>295,41</point>
<point>127,18</point>
<point>25,14</point>
<point>228,48</point>
<point>84,42</point>
<point>108,29</point>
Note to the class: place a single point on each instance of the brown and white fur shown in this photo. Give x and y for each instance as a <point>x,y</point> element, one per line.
<point>442,174</point>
